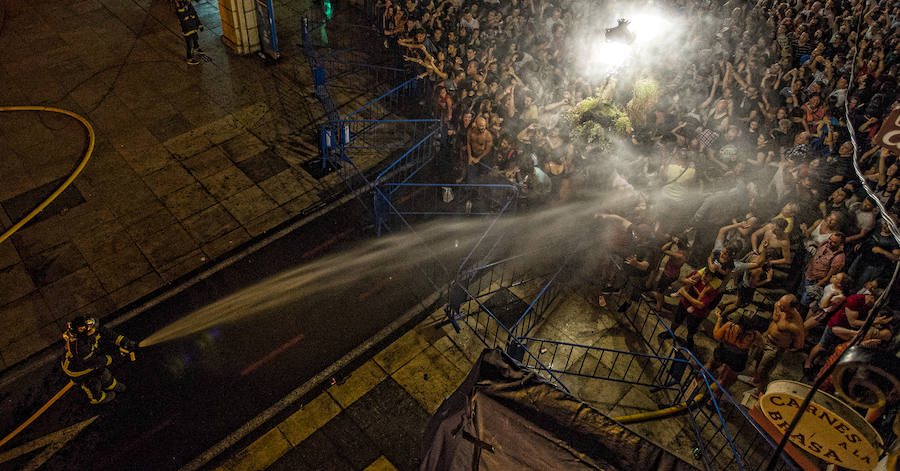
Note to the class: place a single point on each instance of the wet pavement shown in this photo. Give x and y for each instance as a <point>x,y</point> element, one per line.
<point>190,162</point>
<point>185,395</point>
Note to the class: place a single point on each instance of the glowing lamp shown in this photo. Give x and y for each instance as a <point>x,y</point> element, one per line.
<point>620,33</point>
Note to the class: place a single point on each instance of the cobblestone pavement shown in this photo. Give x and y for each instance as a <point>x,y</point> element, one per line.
<point>190,161</point>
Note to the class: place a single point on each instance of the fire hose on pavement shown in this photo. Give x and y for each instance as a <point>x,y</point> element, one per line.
<point>34,212</point>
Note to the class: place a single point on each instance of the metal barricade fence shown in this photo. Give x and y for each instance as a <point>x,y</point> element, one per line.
<point>393,101</point>
<point>366,157</point>
<point>540,306</point>
<point>412,161</point>
<point>620,366</point>
<point>645,321</point>
<point>415,202</point>
<point>320,87</point>
<point>729,437</point>
<point>493,334</point>
<point>485,281</point>
<point>356,134</point>
<point>401,206</point>
<point>350,73</point>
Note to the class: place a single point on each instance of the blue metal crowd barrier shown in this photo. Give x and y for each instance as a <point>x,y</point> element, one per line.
<point>359,134</point>
<point>493,334</point>
<point>350,73</point>
<point>404,204</point>
<point>622,366</point>
<point>409,91</point>
<point>727,437</point>
<point>730,439</point>
<point>540,306</point>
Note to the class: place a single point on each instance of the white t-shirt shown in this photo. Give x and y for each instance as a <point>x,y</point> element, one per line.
<point>865,221</point>
<point>469,24</point>
<point>835,301</point>
<point>679,181</point>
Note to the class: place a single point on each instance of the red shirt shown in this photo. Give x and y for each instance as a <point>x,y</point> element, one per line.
<point>707,299</point>
<point>673,266</point>
<point>856,302</point>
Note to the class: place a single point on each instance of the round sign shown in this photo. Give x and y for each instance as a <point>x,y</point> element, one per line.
<point>829,429</point>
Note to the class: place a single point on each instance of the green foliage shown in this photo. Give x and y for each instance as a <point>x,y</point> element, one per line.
<point>623,124</point>
<point>646,91</point>
<point>645,94</point>
<point>596,121</point>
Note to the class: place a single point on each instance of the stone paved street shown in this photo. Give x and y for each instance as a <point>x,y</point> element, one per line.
<point>190,161</point>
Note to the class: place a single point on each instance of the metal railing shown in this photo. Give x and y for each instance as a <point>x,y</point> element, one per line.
<point>401,96</point>
<point>415,202</point>
<point>730,439</point>
<point>351,73</point>
<point>727,437</point>
<point>605,363</point>
<point>493,334</point>
<point>646,321</point>
<point>541,305</point>
<point>358,134</point>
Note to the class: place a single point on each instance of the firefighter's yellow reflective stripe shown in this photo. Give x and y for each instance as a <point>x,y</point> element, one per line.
<point>71,373</point>
<point>88,356</point>
<point>128,353</point>
<point>108,360</point>
<point>190,32</point>
<point>102,398</point>
<point>91,397</point>
<point>112,385</point>
<point>119,339</point>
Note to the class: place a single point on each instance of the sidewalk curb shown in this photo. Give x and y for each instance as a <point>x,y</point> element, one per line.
<point>424,306</point>
<point>52,352</point>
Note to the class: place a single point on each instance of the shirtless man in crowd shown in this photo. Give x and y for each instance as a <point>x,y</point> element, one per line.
<point>479,143</point>
<point>784,333</point>
<point>778,243</point>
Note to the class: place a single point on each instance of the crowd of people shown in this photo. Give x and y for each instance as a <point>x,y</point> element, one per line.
<point>742,168</point>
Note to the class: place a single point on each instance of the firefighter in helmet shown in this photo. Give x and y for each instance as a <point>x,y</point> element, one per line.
<point>90,349</point>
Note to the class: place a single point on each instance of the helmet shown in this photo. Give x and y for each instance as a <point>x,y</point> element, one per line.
<point>82,325</point>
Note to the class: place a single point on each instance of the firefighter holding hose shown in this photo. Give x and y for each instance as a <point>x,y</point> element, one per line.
<point>90,350</point>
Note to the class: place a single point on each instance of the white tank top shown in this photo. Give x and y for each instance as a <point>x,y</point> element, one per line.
<point>816,237</point>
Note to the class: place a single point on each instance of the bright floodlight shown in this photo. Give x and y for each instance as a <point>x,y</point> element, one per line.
<point>640,36</point>
<point>609,54</point>
<point>647,26</point>
<point>620,33</point>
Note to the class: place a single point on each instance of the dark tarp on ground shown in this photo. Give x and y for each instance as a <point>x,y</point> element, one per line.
<point>530,424</point>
